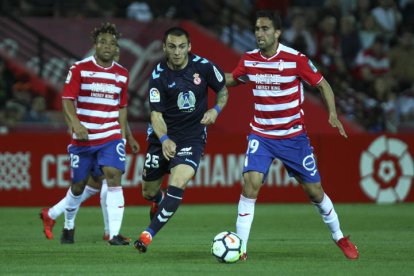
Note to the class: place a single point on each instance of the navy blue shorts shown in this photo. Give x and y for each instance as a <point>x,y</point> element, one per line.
<point>296,154</point>
<point>156,166</point>
<point>84,160</point>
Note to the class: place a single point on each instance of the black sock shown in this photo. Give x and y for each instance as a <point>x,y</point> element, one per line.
<point>166,210</point>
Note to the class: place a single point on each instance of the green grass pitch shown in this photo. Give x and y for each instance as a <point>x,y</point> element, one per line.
<point>286,239</point>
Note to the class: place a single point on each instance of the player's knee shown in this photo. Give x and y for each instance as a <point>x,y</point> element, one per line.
<point>77,188</point>
<point>148,194</point>
<point>94,183</point>
<point>113,180</point>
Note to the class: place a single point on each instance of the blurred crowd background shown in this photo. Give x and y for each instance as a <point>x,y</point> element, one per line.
<point>365,48</point>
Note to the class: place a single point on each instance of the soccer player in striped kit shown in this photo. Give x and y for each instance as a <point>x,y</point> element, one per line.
<point>96,183</point>
<point>94,102</point>
<point>277,129</point>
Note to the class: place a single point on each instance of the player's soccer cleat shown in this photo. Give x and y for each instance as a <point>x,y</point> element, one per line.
<point>119,240</point>
<point>154,207</point>
<point>348,248</point>
<point>67,236</point>
<point>243,257</point>
<point>48,223</point>
<point>144,241</point>
<point>105,237</point>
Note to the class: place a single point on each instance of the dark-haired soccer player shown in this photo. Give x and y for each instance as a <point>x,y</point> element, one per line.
<point>96,183</point>
<point>94,101</point>
<point>177,134</point>
<point>277,129</point>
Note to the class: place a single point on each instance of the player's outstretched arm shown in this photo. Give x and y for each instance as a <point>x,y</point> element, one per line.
<point>72,120</point>
<point>160,128</point>
<point>211,115</point>
<point>329,99</point>
<point>133,144</point>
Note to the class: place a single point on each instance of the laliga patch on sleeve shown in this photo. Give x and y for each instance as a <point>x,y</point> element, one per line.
<point>68,77</point>
<point>219,76</point>
<point>312,66</point>
<point>154,95</point>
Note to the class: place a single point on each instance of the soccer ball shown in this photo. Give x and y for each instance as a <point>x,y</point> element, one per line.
<point>227,247</point>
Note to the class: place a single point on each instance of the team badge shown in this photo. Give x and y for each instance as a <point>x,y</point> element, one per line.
<point>281,65</point>
<point>154,95</point>
<point>117,77</point>
<point>197,79</point>
<point>186,101</point>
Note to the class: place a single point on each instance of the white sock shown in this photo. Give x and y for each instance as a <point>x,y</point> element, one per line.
<point>115,208</point>
<point>245,219</point>
<point>72,206</point>
<point>88,192</point>
<point>57,209</point>
<point>329,216</point>
<point>104,191</point>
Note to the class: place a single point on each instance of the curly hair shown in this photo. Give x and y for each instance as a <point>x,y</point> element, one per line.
<point>106,27</point>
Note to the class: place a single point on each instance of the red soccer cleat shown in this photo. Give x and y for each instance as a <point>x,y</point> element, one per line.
<point>348,248</point>
<point>48,223</point>
<point>243,257</point>
<point>144,241</point>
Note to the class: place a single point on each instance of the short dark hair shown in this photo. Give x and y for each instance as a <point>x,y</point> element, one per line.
<point>176,31</point>
<point>106,27</point>
<point>274,17</point>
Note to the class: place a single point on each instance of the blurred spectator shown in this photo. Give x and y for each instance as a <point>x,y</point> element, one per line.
<point>7,79</point>
<point>350,44</point>
<point>362,10</point>
<point>387,16</point>
<point>179,9</point>
<point>406,106</point>
<point>373,62</point>
<point>402,58</point>
<point>37,112</point>
<point>236,32</point>
<point>298,36</point>
<point>407,12</point>
<point>331,8</point>
<point>328,53</point>
<point>139,11</point>
<point>13,114</point>
<point>368,31</point>
<point>383,100</point>
<point>97,8</point>
<point>22,93</point>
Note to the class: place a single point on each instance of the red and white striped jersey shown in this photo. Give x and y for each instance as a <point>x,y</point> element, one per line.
<point>278,90</point>
<point>98,93</point>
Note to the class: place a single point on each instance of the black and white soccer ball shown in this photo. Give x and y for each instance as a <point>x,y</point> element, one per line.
<point>227,247</point>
